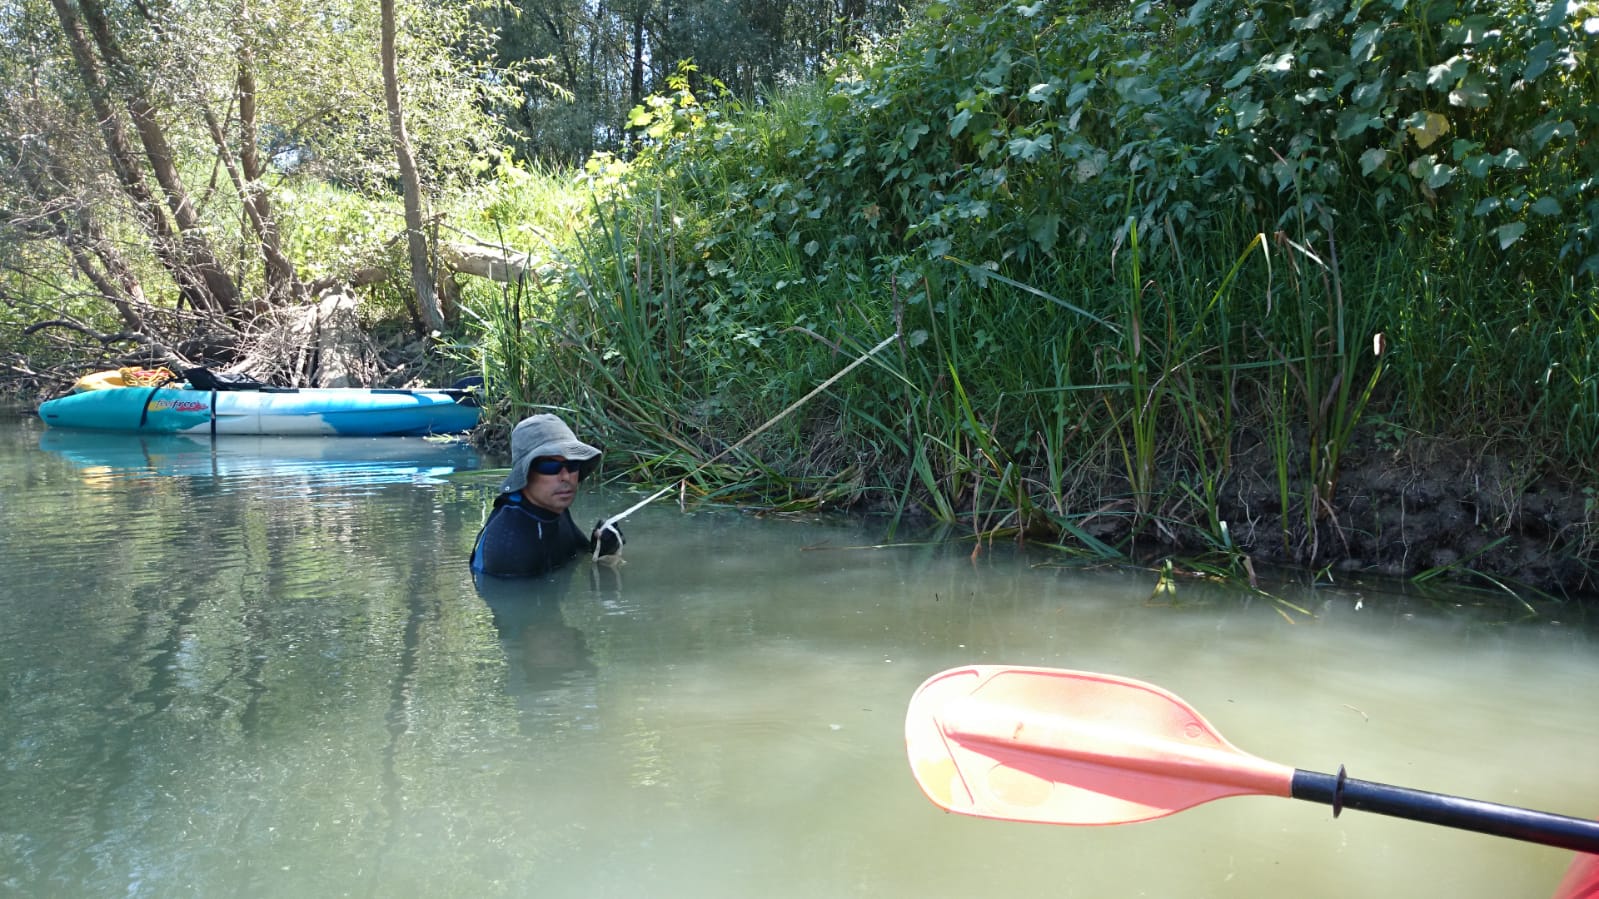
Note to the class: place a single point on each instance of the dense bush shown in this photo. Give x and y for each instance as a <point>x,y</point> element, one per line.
<point>1112,240</point>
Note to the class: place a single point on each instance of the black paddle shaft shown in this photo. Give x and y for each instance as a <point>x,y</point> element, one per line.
<point>1343,792</point>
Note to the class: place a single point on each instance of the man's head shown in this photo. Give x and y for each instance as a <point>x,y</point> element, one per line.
<point>547,461</point>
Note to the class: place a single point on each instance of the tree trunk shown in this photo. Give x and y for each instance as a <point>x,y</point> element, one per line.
<point>427,299</point>
<point>281,279</point>
<point>179,241</point>
<point>118,148</point>
<point>163,164</point>
<point>636,72</point>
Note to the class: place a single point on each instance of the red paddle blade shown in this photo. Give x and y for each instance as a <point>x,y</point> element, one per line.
<point>1047,745</point>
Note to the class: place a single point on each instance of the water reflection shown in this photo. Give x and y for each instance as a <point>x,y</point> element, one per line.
<point>550,669</point>
<point>106,457</point>
<point>313,697</point>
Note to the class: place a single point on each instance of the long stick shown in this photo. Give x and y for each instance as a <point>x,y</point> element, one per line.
<point>1074,747</point>
<point>610,522</point>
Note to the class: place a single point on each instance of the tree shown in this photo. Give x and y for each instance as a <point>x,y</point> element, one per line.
<point>608,55</point>
<point>415,238</point>
<point>118,98</point>
<point>144,147</point>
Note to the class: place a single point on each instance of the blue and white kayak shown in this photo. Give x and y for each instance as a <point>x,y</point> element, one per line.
<point>324,411</point>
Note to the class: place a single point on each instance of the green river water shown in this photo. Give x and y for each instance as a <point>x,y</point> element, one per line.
<point>262,668</point>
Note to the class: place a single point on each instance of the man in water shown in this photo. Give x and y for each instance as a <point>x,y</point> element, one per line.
<point>531,532</point>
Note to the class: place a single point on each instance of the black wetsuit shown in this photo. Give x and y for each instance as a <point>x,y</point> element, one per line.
<point>522,540</point>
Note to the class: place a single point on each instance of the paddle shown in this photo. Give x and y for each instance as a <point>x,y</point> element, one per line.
<point>1073,747</point>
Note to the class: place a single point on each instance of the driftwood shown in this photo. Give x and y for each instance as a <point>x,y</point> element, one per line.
<point>484,260</point>
<point>318,344</point>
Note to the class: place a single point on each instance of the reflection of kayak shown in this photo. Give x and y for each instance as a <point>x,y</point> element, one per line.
<point>325,411</point>
<point>1581,880</point>
<point>363,460</point>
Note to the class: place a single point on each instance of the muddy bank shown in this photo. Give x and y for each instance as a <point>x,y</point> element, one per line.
<point>1403,512</point>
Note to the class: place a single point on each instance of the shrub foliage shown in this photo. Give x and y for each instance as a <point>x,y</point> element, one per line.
<point>1120,240</point>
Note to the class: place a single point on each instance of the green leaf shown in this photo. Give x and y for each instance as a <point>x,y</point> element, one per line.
<point>1538,58</point>
<point>1472,93</point>
<point>1138,90</point>
<point>1446,73</point>
<point>1310,22</point>
<point>912,133</point>
<point>1364,44</point>
<point>1546,131</point>
<point>1248,113</point>
<point>1432,172</point>
<point>1353,121</point>
<point>1474,30</point>
<point>1368,94</point>
<point>1510,158</point>
<point>1547,206</point>
<point>999,71</point>
<point>1044,230</point>
<point>1509,233</point>
<point>1373,160</point>
<point>1029,148</point>
<point>1283,63</point>
<point>958,123</point>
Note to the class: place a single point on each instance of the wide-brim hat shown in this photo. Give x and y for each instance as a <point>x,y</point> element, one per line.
<point>544,435</point>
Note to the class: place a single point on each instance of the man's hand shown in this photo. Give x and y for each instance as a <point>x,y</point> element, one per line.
<point>606,539</point>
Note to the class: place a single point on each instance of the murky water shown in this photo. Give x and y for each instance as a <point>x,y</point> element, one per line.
<point>263,669</point>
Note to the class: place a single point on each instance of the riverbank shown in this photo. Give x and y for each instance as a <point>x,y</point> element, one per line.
<point>1433,510</point>
<point>1428,510</point>
<point>1425,511</point>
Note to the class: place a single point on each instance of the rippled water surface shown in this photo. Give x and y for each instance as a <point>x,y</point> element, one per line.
<point>261,668</point>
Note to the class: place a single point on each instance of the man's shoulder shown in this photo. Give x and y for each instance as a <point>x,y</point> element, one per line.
<point>516,503</point>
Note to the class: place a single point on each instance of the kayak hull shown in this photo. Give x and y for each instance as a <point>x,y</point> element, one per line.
<point>327,412</point>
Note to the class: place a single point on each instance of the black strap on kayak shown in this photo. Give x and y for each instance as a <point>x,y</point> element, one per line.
<point>213,415</point>
<point>144,412</point>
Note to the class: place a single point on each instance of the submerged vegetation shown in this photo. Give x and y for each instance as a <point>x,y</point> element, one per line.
<point>1307,283</point>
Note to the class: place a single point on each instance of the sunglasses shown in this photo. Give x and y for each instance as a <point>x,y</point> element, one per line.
<point>554,466</point>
